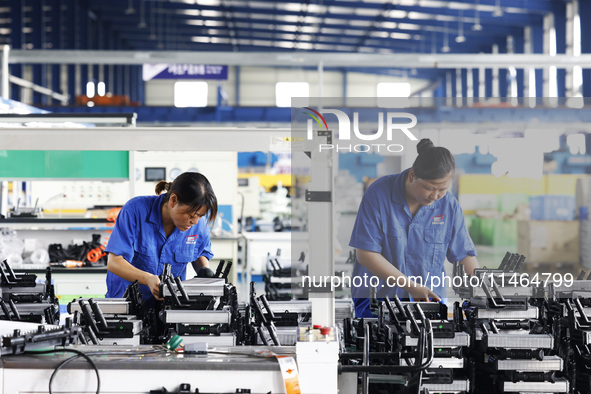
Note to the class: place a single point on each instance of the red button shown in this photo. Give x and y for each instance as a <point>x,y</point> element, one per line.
<point>325,331</point>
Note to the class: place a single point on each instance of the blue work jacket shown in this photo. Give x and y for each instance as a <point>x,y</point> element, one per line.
<point>139,238</point>
<point>417,246</point>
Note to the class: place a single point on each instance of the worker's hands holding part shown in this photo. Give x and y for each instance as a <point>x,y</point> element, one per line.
<point>153,282</point>
<point>421,293</point>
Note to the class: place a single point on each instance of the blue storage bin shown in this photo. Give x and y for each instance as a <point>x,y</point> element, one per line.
<point>552,207</point>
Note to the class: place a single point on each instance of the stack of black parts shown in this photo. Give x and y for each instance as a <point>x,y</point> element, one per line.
<point>513,348</point>
<point>201,310</point>
<point>569,313</point>
<point>113,321</point>
<point>411,347</point>
<point>23,299</point>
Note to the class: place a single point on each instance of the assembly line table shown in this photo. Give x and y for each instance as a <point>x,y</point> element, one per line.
<point>241,368</point>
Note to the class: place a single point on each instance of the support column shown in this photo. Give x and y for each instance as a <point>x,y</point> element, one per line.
<point>459,90</point>
<point>17,39</point>
<point>518,47</point>
<point>56,43</point>
<point>448,89</point>
<point>503,72</point>
<point>574,75</point>
<point>529,77</point>
<point>345,87</point>
<point>39,39</point>
<point>495,75</point>
<point>108,71</point>
<point>141,98</point>
<point>550,73</point>
<point>481,83</point>
<point>538,47</point>
<point>511,73</point>
<point>469,87</point>
<point>584,15</point>
<point>4,72</point>
<point>321,231</point>
<point>560,32</point>
<point>83,40</point>
<point>129,81</point>
<point>71,15</point>
<point>96,41</point>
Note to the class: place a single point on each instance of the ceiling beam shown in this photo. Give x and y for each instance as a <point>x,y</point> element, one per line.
<point>329,59</point>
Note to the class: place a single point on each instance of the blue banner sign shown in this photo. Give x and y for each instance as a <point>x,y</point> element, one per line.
<point>184,71</point>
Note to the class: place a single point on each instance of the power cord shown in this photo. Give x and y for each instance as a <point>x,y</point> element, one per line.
<point>65,362</point>
<point>86,356</point>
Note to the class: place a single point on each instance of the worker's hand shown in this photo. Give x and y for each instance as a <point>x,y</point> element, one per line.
<point>205,272</point>
<point>153,283</point>
<point>421,293</point>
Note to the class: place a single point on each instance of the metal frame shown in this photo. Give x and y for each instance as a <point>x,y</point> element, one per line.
<point>125,119</point>
<point>143,138</point>
<point>299,59</point>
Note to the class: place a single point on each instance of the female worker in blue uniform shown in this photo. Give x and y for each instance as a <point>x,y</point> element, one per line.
<point>406,226</point>
<point>151,231</point>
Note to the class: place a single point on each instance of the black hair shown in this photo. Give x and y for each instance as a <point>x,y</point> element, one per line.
<point>433,162</point>
<point>192,189</point>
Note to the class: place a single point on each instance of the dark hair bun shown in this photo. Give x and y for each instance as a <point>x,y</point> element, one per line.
<point>162,186</point>
<point>424,145</point>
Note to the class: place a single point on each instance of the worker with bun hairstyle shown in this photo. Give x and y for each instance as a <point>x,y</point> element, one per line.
<point>151,231</point>
<point>406,226</point>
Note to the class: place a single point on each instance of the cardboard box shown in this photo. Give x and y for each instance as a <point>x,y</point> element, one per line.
<point>548,241</point>
<point>550,207</point>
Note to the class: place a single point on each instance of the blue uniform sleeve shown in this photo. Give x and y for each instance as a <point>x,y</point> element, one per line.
<point>461,244</point>
<point>121,241</point>
<point>367,233</point>
<point>206,251</point>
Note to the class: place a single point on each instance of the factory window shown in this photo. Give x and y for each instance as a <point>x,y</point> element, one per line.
<point>190,94</point>
<point>393,89</point>
<point>284,91</point>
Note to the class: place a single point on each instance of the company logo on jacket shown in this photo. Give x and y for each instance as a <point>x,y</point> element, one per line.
<point>438,219</point>
<point>191,239</point>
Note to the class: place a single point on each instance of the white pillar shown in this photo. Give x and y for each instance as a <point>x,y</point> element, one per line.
<point>469,87</point>
<point>320,233</point>
<point>495,74</point>
<point>550,73</point>
<point>4,72</point>
<point>482,83</point>
<point>574,75</point>
<point>459,99</point>
<point>529,73</point>
<point>448,88</point>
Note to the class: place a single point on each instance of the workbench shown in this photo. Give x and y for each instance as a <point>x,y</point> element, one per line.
<point>211,373</point>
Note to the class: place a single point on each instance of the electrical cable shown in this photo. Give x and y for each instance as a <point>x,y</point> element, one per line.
<point>65,362</point>
<point>87,356</point>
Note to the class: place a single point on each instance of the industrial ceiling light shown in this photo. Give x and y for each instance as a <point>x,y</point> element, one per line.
<point>130,10</point>
<point>460,37</point>
<point>152,23</point>
<point>142,23</point>
<point>498,12</point>
<point>477,26</point>
<point>445,47</point>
